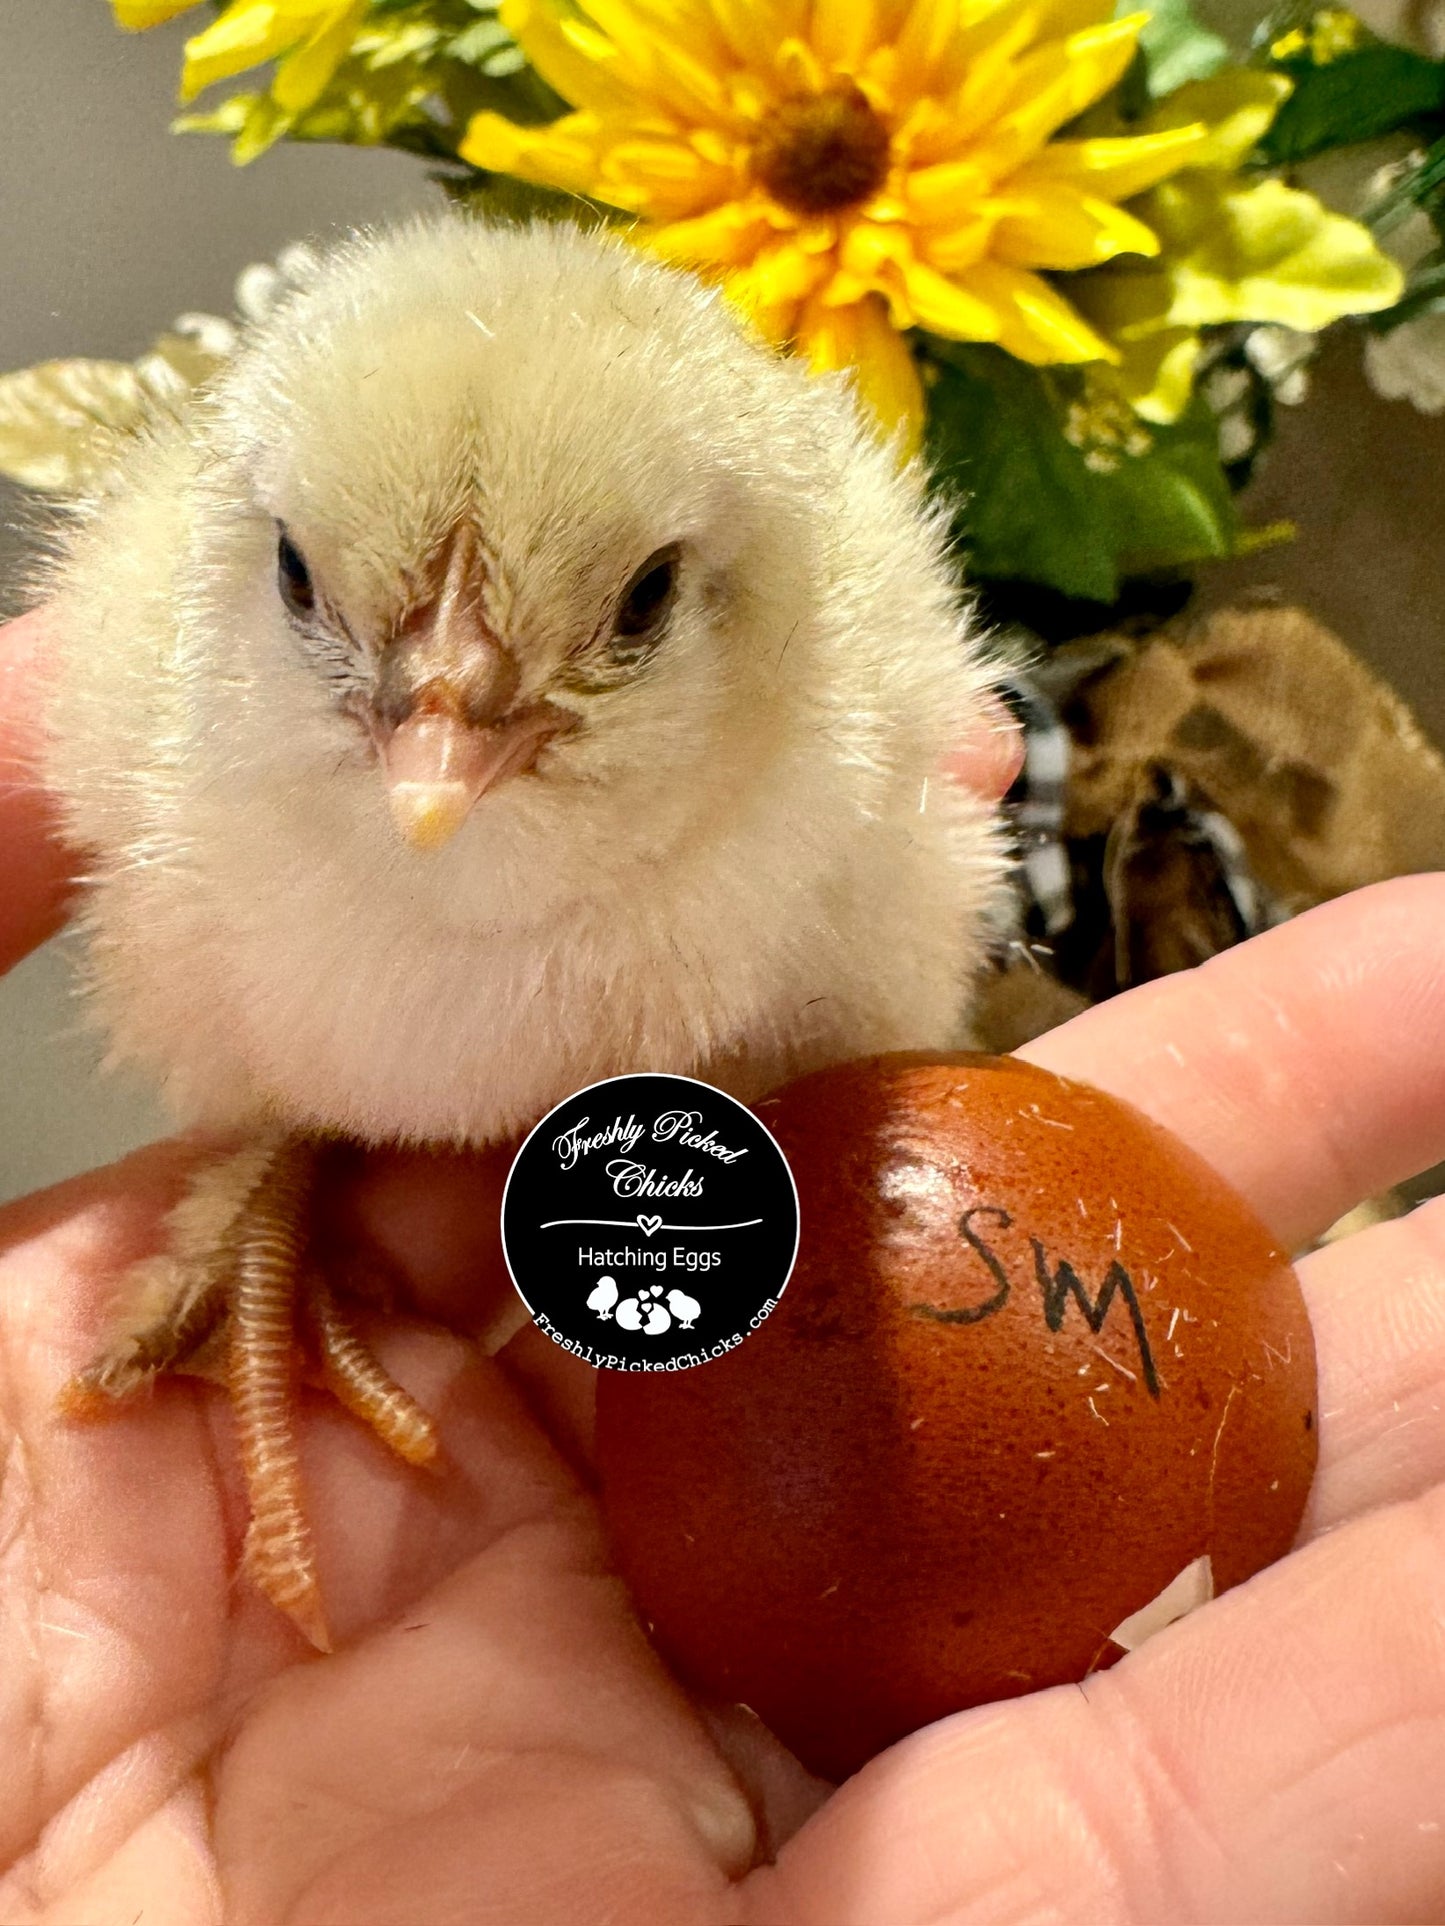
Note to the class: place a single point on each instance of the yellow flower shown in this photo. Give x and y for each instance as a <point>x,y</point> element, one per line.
<point>309,39</point>
<point>1233,250</point>
<point>851,168</point>
<point>136,15</point>
<point>1331,33</point>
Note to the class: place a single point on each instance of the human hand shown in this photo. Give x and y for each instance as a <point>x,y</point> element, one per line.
<point>496,1738</point>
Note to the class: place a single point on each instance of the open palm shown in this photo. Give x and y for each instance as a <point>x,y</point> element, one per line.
<point>495,1740</point>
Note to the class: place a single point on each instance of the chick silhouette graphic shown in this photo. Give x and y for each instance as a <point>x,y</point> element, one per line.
<point>684,1308</point>
<point>603,1296</point>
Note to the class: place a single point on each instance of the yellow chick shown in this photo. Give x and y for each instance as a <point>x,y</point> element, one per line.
<point>506,675</point>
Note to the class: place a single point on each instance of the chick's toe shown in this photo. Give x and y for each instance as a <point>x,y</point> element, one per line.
<point>234,1298</point>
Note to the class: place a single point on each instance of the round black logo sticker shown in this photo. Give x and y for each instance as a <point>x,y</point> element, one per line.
<point>650,1223</point>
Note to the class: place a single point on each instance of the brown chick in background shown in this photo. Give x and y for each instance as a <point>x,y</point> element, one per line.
<point>506,675</point>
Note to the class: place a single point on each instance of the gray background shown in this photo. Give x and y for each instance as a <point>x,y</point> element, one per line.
<point>110,226</point>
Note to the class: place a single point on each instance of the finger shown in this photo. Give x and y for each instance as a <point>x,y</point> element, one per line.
<point>1279,1755</point>
<point>1377,1304</point>
<point>1306,1066</point>
<point>990,757</point>
<point>35,869</point>
<point>116,1572</point>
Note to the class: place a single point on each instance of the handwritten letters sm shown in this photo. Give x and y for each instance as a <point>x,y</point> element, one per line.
<point>1058,1283</point>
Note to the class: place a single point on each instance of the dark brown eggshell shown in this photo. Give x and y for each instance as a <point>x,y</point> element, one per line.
<point>1035,1358</point>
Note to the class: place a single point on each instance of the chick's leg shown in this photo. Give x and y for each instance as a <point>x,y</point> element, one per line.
<point>270,1245</point>
<point>352,1374</point>
<point>230,1299</point>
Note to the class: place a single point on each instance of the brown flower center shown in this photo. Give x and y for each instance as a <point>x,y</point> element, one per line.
<point>817,152</point>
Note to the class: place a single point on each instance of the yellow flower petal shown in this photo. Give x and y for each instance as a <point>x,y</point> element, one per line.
<point>1071,16</point>
<point>962,313</point>
<point>136,15</point>
<point>799,68</point>
<point>950,191</point>
<point>624,31</point>
<point>845,32</point>
<point>568,154</point>
<point>682,23</point>
<point>727,237</point>
<point>263,125</point>
<point>571,56</point>
<point>1236,107</point>
<point>862,338</point>
<point>929,34</point>
<point>755,29</point>
<point>927,134</point>
<point>1060,228</point>
<point>1119,168</point>
<point>302,75</point>
<point>659,68</point>
<point>666,181</point>
<point>1034,323</point>
<point>776,281</point>
<point>990,83</point>
<point>961,246</point>
<point>246,34</point>
<point>1056,83</point>
<point>873,258</point>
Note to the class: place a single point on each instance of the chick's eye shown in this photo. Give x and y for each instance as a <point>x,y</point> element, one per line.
<point>648,598</point>
<point>293,578</point>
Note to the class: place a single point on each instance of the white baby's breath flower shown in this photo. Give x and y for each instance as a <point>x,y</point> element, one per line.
<point>1408,363</point>
<point>1282,356</point>
<point>262,286</point>
<point>213,334</point>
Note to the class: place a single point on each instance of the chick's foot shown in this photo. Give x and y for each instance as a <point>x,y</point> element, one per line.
<point>234,1298</point>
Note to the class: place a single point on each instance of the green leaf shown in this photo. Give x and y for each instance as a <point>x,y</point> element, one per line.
<point>410,40</point>
<point>1036,508</point>
<point>1357,96</point>
<point>473,46</point>
<point>1177,46</point>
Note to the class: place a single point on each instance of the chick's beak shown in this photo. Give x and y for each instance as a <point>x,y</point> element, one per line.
<point>437,765</point>
<point>444,716</point>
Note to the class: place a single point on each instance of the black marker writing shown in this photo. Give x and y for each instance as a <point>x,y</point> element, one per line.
<point>1064,1284</point>
<point>1056,1287</point>
<point>973,1313</point>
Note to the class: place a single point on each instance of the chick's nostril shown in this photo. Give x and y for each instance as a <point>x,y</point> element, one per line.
<point>432,666</point>
<point>486,683</point>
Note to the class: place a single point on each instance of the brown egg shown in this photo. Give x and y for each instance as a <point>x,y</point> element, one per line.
<point>1035,1360</point>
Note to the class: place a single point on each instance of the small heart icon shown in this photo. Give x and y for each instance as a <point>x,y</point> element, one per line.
<point>647,1225</point>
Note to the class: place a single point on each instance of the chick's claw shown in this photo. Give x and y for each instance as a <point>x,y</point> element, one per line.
<point>352,1374</point>
<point>233,1300</point>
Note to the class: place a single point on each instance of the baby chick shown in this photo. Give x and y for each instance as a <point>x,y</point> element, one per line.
<point>506,675</point>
